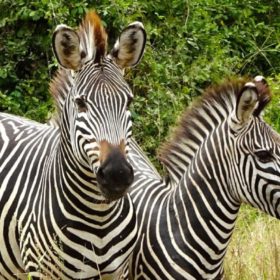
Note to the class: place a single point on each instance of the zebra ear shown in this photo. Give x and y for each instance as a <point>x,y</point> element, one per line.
<point>66,47</point>
<point>129,48</point>
<point>246,102</point>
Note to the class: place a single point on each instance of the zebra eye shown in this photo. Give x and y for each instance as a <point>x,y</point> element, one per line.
<point>264,156</point>
<point>81,103</point>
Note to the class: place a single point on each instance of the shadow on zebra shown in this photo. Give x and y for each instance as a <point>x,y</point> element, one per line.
<point>221,154</point>
<point>64,212</point>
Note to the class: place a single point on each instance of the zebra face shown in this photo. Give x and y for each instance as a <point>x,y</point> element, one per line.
<point>102,126</point>
<point>260,167</point>
<point>96,108</point>
<point>257,151</point>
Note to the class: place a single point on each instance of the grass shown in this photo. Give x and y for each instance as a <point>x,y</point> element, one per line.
<point>254,251</point>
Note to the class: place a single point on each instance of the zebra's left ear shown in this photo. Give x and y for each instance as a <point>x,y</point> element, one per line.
<point>252,99</point>
<point>247,102</point>
<point>129,48</point>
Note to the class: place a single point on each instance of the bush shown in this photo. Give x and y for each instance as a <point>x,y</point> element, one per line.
<point>272,112</point>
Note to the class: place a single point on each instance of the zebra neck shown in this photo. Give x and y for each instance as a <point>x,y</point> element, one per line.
<point>196,129</point>
<point>205,208</point>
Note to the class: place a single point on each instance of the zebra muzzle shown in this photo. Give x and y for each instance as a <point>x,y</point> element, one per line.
<point>115,175</point>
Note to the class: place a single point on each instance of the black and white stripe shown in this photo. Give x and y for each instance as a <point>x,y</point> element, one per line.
<point>221,154</point>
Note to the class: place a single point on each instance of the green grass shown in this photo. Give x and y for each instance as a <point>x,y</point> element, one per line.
<point>254,252</point>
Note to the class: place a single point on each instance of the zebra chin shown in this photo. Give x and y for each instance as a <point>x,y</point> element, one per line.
<point>110,196</point>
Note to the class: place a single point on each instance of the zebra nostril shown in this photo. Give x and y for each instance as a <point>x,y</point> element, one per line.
<point>131,170</point>
<point>101,173</point>
<point>101,178</point>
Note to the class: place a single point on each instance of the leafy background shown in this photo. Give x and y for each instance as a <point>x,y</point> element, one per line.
<point>191,44</point>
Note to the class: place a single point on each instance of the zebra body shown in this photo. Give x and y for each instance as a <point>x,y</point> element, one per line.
<point>64,212</point>
<point>221,154</point>
<point>38,212</point>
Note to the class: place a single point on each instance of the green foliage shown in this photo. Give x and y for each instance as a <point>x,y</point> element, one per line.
<point>272,112</point>
<point>253,252</point>
<point>190,45</point>
<point>26,56</point>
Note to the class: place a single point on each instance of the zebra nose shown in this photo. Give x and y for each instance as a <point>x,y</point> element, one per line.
<point>114,177</point>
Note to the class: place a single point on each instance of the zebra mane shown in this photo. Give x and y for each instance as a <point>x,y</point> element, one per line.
<point>175,153</point>
<point>93,38</point>
<point>59,88</point>
<point>93,45</point>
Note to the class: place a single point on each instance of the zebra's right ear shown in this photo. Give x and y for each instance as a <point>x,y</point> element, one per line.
<point>129,48</point>
<point>66,47</point>
<point>246,102</point>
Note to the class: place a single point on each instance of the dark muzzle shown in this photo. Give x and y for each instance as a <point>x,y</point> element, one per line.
<point>115,175</point>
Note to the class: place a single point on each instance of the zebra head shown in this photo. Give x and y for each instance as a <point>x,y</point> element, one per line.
<point>256,150</point>
<point>95,110</point>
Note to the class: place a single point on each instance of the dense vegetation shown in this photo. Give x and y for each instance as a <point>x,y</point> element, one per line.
<point>191,44</point>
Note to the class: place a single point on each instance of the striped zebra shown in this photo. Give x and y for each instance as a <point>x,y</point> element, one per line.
<point>64,212</point>
<point>222,154</point>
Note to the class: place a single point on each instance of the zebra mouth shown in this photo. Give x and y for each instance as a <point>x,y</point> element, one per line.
<point>112,195</point>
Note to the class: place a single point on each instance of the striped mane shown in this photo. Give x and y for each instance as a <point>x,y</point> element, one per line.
<point>93,46</point>
<point>59,88</point>
<point>177,152</point>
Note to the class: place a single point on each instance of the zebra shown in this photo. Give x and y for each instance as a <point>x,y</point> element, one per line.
<point>221,154</point>
<point>64,208</point>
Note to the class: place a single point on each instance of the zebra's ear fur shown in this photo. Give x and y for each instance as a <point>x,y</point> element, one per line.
<point>66,47</point>
<point>129,48</point>
<point>247,102</point>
